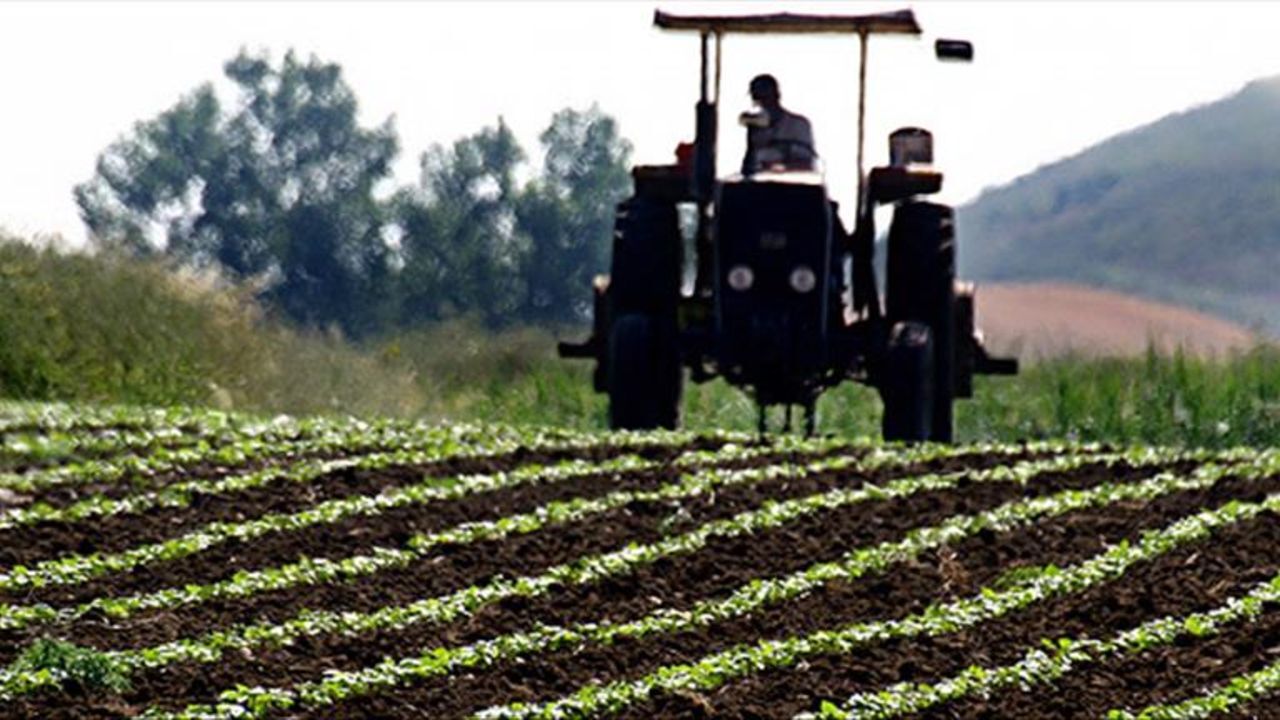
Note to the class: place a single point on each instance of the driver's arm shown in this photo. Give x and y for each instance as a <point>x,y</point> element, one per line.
<point>749,163</point>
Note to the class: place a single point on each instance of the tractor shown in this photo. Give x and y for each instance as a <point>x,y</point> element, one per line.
<point>778,299</point>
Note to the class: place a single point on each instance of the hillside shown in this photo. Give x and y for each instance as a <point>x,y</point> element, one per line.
<point>1041,320</point>
<point>1184,210</point>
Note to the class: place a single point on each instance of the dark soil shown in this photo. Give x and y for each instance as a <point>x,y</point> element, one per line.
<point>1188,580</point>
<point>62,495</point>
<point>1163,675</point>
<point>960,571</point>
<point>721,566</point>
<point>454,568</point>
<point>26,545</point>
<point>352,535</point>
<point>132,483</point>
<point>429,578</point>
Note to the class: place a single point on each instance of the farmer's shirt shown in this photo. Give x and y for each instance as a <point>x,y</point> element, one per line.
<point>787,141</point>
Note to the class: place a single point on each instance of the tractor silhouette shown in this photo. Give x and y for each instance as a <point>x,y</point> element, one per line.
<point>783,303</point>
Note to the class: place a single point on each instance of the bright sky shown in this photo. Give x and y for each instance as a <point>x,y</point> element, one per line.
<point>1049,79</point>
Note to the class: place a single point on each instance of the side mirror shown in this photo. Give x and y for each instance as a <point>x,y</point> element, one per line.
<point>954,50</point>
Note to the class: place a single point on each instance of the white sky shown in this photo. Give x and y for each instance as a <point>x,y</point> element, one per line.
<point>1049,78</point>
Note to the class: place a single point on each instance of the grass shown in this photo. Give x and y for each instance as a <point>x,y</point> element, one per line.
<point>101,329</point>
<point>1159,399</point>
<point>98,328</point>
<point>78,668</point>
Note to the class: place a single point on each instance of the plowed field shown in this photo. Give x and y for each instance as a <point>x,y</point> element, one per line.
<point>181,564</point>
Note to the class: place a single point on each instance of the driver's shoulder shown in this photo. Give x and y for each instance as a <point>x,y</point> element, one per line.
<point>796,119</point>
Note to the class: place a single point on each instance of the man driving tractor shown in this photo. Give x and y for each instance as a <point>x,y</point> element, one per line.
<point>784,303</point>
<point>775,135</point>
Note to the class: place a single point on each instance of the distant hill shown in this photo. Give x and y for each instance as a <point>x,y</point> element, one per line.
<point>1040,320</point>
<point>1184,210</point>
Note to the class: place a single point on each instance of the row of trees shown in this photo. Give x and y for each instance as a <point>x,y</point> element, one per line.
<point>285,189</point>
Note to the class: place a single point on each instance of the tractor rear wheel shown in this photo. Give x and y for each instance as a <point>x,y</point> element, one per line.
<point>644,373</point>
<point>906,387</point>
<point>920,287</point>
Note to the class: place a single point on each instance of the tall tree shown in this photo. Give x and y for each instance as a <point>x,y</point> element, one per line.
<point>567,213</point>
<point>461,252</point>
<point>476,242</point>
<point>282,189</point>
<point>147,187</point>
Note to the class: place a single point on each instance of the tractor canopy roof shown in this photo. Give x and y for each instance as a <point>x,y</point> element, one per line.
<point>901,22</point>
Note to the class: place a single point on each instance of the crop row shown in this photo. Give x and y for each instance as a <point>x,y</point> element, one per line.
<point>60,453</point>
<point>307,437</point>
<point>78,568</point>
<point>66,444</point>
<point>38,444</point>
<point>210,648</point>
<point>47,448</point>
<point>415,447</point>
<point>314,571</point>
<point>180,494</point>
<point>277,439</point>
<point>749,598</point>
<point>23,416</point>
<point>308,571</point>
<point>1044,665</point>
<point>581,571</point>
<point>1236,692</point>
<point>708,673</point>
<point>578,572</point>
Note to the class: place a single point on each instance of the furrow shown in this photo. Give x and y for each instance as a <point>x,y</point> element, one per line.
<point>439,660</point>
<point>713,671</point>
<point>44,493</point>
<point>584,570</point>
<point>766,606</point>
<point>1258,688</point>
<point>206,551</point>
<point>581,572</point>
<point>77,568</point>
<point>1054,659</point>
<point>1193,578</point>
<point>247,443</point>
<point>599,599</point>
<point>349,566</point>
<point>157,515</point>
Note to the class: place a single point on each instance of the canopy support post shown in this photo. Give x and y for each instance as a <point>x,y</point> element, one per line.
<point>704,81</point>
<point>719,36</point>
<point>862,120</point>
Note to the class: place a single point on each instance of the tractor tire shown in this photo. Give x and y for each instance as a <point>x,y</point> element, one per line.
<point>647,259</point>
<point>920,287</point>
<point>645,379</point>
<point>906,387</point>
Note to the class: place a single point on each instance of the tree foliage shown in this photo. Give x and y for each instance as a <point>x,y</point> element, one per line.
<point>460,246</point>
<point>568,213</point>
<point>279,189</point>
<point>477,241</point>
<point>282,187</point>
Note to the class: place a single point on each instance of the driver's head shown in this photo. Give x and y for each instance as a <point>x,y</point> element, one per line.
<point>764,90</point>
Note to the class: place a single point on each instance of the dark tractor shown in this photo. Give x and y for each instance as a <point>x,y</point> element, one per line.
<point>783,301</point>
